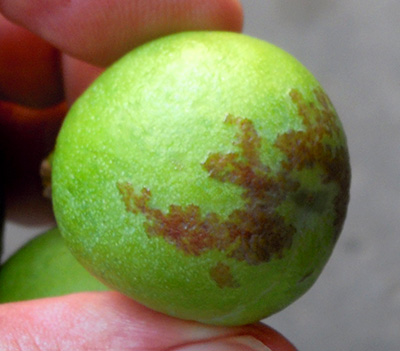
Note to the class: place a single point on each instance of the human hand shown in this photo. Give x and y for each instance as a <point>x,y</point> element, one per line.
<point>73,42</point>
<point>110,321</point>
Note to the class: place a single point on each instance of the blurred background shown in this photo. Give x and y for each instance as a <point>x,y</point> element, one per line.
<point>353,48</point>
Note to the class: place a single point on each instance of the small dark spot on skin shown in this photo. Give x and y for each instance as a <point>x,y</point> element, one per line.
<point>305,277</point>
<point>221,274</point>
<point>257,232</point>
<point>315,201</point>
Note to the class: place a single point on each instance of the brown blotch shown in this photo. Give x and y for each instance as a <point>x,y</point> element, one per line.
<point>221,274</point>
<point>306,148</point>
<point>253,234</point>
<point>256,232</point>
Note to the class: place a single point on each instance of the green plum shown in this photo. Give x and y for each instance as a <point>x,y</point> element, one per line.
<point>44,267</point>
<point>206,175</point>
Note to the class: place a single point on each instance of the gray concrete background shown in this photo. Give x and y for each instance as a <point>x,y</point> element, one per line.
<point>353,48</point>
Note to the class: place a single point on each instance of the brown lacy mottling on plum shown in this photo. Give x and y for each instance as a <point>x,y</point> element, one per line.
<point>307,149</point>
<point>256,232</point>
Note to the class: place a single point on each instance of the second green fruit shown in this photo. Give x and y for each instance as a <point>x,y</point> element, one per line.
<point>44,267</point>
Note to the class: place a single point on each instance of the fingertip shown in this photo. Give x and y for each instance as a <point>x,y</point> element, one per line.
<point>231,343</point>
<point>236,16</point>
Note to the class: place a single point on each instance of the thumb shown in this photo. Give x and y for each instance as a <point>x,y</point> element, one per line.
<point>111,321</point>
<point>99,31</point>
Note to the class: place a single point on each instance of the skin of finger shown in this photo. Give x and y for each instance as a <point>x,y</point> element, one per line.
<point>110,321</point>
<point>29,68</point>
<point>100,31</point>
<point>235,343</point>
<point>78,75</point>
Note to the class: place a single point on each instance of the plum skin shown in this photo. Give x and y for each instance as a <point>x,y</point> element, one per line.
<point>206,175</point>
<point>44,267</point>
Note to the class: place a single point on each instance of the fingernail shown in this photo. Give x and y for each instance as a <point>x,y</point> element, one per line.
<point>236,343</point>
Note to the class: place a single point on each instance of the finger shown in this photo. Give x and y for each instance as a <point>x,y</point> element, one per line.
<point>99,31</point>
<point>29,68</point>
<point>110,321</point>
<point>78,75</point>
